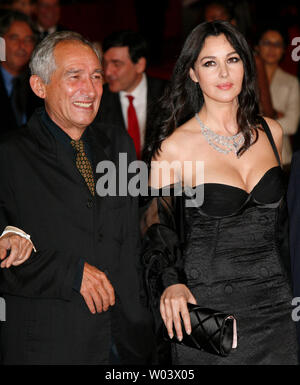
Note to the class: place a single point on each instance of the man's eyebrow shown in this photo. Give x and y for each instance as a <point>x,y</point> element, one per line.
<point>116,61</point>
<point>73,71</point>
<point>214,57</point>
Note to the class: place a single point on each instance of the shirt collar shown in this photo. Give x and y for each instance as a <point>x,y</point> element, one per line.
<point>50,30</point>
<point>139,89</point>
<point>60,135</point>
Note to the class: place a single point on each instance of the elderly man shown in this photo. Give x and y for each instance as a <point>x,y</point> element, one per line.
<point>76,299</point>
<point>16,97</point>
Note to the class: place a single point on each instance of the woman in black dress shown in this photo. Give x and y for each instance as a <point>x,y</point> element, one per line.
<point>224,254</point>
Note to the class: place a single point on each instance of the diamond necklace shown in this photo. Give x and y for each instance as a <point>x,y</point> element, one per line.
<point>222,143</point>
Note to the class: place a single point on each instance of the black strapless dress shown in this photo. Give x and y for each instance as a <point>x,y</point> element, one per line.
<point>228,253</point>
<point>232,263</point>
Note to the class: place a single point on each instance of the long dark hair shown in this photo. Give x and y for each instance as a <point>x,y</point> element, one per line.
<point>183,97</point>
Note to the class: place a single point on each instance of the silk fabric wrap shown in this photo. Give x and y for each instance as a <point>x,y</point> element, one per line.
<point>212,331</point>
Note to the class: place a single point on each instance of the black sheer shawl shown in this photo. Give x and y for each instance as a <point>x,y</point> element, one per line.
<point>162,229</point>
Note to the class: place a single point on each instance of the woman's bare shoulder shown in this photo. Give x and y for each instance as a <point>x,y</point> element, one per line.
<point>276,131</point>
<point>172,147</point>
<point>275,128</point>
<point>169,149</point>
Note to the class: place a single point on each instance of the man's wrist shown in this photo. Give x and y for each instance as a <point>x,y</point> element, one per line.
<point>79,274</point>
<point>17,231</point>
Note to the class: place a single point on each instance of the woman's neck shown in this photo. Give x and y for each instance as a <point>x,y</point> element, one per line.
<point>222,119</point>
<point>270,70</point>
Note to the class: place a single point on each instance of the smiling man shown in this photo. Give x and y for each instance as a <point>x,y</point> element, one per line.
<point>76,299</point>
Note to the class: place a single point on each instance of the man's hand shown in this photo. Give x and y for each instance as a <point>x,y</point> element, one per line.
<point>20,250</point>
<point>96,289</point>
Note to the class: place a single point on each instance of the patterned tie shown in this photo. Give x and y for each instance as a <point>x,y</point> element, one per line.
<point>133,126</point>
<point>84,165</point>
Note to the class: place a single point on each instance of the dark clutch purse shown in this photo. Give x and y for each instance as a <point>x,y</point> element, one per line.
<point>212,331</point>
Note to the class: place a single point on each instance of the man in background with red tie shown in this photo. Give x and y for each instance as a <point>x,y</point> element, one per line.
<point>129,93</point>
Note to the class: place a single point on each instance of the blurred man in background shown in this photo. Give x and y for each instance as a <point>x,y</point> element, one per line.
<point>129,93</point>
<point>16,97</point>
<point>47,17</point>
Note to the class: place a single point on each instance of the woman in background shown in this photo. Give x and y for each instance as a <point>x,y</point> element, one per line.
<point>284,87</point>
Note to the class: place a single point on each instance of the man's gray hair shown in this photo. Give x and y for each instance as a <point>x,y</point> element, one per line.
<point>42,61</point>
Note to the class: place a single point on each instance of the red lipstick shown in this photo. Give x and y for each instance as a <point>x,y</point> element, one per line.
<point>225,86</point>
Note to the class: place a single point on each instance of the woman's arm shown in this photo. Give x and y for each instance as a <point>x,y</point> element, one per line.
<point>162,229</point>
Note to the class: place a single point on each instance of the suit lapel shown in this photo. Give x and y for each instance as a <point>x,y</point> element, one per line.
<point>101,151</point>
<point>150,96</point>
<point>6,105</point>
<point>118,111</point>
<point>110,110</point>
<point>100,144</point>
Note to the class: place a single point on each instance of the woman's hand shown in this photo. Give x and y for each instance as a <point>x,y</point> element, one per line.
<point>173,303</point>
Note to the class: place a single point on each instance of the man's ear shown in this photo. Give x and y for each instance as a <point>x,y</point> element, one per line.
<point>141,65</point>
<point>193,76</point>
<point>38,86</point>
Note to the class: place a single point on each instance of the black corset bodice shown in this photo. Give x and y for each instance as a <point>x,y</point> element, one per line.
<point>222,200</point>
<point>231,242</point>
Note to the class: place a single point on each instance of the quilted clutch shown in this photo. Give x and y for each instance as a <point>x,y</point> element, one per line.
<point>212,331</point>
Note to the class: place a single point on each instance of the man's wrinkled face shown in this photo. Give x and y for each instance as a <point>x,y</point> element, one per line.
<point>73,95</point>
<point>48,13</point>
<point>120,72</point>
<point>19,44</point>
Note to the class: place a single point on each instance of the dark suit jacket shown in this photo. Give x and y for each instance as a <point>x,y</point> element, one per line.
<point>294,217</point>
<point>8,120</point>
<point>110,110</point>
<point>43,193</point>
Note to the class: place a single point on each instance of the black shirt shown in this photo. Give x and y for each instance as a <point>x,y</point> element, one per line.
<point>65,139</point>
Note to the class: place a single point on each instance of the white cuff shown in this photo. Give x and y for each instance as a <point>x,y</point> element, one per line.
<point>21,233</point>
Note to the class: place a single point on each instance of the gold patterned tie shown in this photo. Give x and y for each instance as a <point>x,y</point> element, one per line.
<point>84,165</point>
